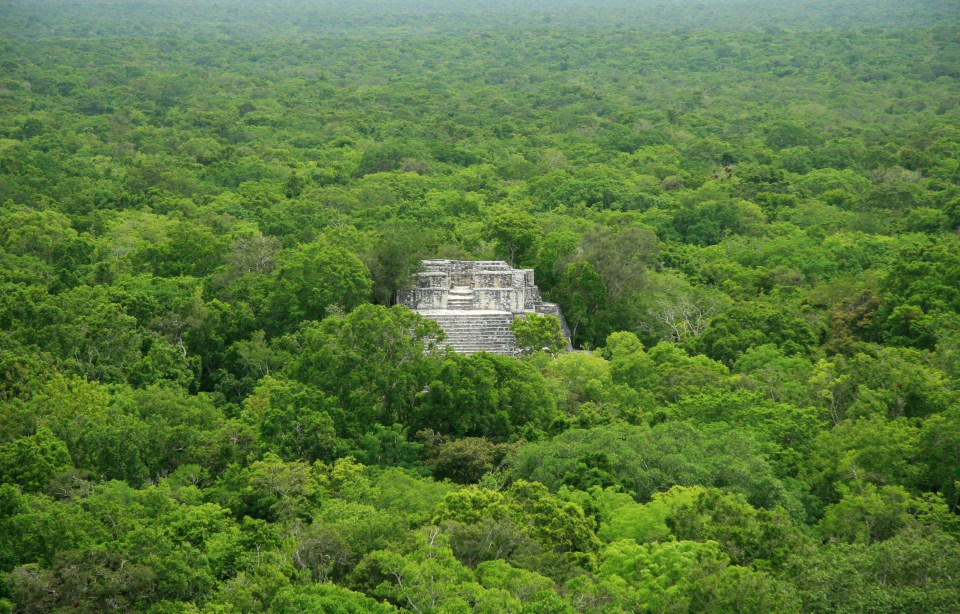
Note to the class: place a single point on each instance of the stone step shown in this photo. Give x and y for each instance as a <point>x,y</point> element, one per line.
<point>471,333</point>
<point>466,326</point>
<point>477,334</point>
<point>460,330</point>
<point>492,317</point>
<point>484,338</point>
<point>460,297</point>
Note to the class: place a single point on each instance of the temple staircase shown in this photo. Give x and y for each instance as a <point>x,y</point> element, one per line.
<point>460,297</point>
<point>476,331</point>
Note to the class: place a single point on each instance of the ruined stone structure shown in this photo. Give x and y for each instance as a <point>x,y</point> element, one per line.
<point>474,302</point>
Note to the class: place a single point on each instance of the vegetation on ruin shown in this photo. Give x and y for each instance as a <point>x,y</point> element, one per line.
<point>748,211</point>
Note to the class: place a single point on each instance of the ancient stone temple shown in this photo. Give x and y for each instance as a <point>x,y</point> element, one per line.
<point>474,302</point>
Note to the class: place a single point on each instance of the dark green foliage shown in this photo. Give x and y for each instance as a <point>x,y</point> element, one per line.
<point>395,258</point>
<point>708,223</point>
<point>375,361</point>
<point>917,288</point>
<point>643,460</point>
<point>467,460</point>
<point>913,571</point>
<point>733,332</point>
<point>584,296</point>
<point>293,420</point>
<point>485,394</point>
<point>313,279</point>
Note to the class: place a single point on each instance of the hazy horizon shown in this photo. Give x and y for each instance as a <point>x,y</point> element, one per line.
<point>104,18</point>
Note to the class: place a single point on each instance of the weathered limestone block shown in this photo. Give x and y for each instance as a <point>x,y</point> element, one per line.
<point>433,280</point>
<point>430,298</point>
<point>498,299</point>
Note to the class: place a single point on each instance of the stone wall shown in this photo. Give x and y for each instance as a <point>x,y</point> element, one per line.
<point>471,300</point>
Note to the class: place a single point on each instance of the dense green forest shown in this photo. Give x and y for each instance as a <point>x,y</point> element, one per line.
<point>748,211</point>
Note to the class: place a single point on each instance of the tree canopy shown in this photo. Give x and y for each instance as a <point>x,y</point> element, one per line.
<point>748,212</point>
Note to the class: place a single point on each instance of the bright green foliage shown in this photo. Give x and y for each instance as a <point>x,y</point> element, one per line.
<point>580,378</point>
<point>559,530</point>
<point>898,382</point>
<point>470,505</point>
<point>134,435</point>
<point>676,374</point>
<point>560,526</point>
<point>916,288</point>
<point>786,431</point>
<point>534,591</point>
<point>45,235</point>
<point>31,462</point>
<point>871,449</point>
<point>328,598</point>
<point>375,361</point>
<point>516,234</point>
<point>597,186</point>
<point>538,333</point>
<point>341,535</point>
<point>867,514</point>
<point>429,578</point>
<point>687,575</point>
<point>746,535</point>
<point>173,564</point>
<point>779,377</point>
<point>585,391</point>
<point>389,446</point>
<point>408,494</point>
<point>103,341</point>
<point>36,529</point>
<point>761,538</point>
<point>643,522</point>
<point>270,489</point>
